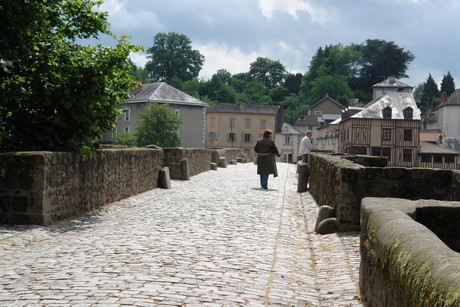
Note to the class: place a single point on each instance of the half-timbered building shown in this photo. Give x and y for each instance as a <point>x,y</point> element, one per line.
<point>388,126</point>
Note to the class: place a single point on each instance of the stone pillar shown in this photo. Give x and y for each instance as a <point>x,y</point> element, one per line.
<point>164,180</point>
<point>185,172</point>
<point>223,162</point>
<point>302,177</point>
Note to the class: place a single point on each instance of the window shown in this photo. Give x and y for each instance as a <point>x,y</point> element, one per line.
<point>127,114</point>
<point>231,137</point>
<point>247,123</point>
<point>386,113</point>
<point>426,158</point>
<point>386,134</point>
<point>407,155</point>
<point>376,151</point>
<point>126,129</point>
<point>408,135</point>
<point>437,158</point>
<point>287,140</point>
<point>247,138</point>
<point>408,113</point>
<point>232,122</point>
<point>449,159</point>
<point>212,121</point>
<point>212,136</point>
<point>263,124</point>
<point>318,113</point>
<point>386,152</point>
<point>177,112</point>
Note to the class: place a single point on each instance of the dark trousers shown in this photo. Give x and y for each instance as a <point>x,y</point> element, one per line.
<point>264,180</point>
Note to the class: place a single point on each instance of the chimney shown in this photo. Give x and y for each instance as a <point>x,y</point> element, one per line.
<point>391,79</point>
<point>443,97</point>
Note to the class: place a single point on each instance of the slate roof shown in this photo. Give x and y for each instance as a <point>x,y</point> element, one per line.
<point>454,99</point>
<point>397,101</point>
<point>326,97</point>
<point>392,82</point>
<point>163,93</point>
<point>288,129</point>
<point>242,108</point>
<point>429,148</point>
<point>307,120</point>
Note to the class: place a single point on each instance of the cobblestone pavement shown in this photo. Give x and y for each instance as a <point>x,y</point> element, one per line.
<point>216,240</point>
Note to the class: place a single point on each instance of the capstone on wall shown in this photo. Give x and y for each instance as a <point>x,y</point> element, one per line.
<point>410,252</point>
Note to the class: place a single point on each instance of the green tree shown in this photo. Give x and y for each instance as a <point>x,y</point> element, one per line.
<point>138,73</point>
<point>172,56</point>
<point>429,98</point>
<point>240,81</point>
<point>277,94</point>
<point>333,60</point>
<point>294,106</point>
<point>192,87</point>
<point>448,84</point>
<point>57,94</point>
<point>430,92</point>
<point>255,93</point>
<point>293,82</point>
<point>268,72</point>
<point>380,59</point>
<point>334,86</point>
<point>158,126</point>
<point>218,89</point>
<point>125,139</point>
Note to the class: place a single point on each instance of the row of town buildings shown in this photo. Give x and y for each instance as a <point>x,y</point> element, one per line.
<point>390,125</point>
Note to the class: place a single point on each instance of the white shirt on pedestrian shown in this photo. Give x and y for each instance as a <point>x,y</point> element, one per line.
<point>305,146</point>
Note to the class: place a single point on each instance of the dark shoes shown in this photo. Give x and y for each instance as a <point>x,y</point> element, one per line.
<point>264,187</point>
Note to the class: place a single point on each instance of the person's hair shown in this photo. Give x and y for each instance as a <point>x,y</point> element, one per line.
<point>267,133</point>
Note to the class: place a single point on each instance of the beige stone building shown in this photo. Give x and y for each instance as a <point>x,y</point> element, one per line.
<point>230,125</point>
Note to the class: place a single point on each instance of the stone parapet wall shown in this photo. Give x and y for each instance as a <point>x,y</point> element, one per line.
<point>44,187</point>
<point>198,161</point>
<point>403,261</point>
<point>229,153</point>
<point>337,182</point>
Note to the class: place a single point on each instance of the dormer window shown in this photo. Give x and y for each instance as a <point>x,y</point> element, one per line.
<point>386,112</point>
<point>408,113</point>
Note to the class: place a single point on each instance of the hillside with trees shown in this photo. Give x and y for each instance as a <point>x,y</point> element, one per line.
<point>345,73</point>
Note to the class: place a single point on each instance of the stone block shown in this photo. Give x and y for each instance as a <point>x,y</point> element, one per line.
<point>324,212</point>
<point>185,171</point>
<point>214,166</point>
<point>302,177</point>
<point>164,178</point>
<point>233,162</point>
<point>222,162</point>
<point>327,226</point>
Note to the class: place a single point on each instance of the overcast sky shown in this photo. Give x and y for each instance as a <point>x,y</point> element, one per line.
<point>233,33</point>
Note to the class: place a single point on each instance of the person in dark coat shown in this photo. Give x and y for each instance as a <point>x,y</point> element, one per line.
<point>266,163</point>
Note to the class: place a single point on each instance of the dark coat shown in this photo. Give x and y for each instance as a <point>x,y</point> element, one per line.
<point>266,151</point>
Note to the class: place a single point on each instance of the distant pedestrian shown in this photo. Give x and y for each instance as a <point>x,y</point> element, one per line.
<point>266,162</point>
<point>305,146</point>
